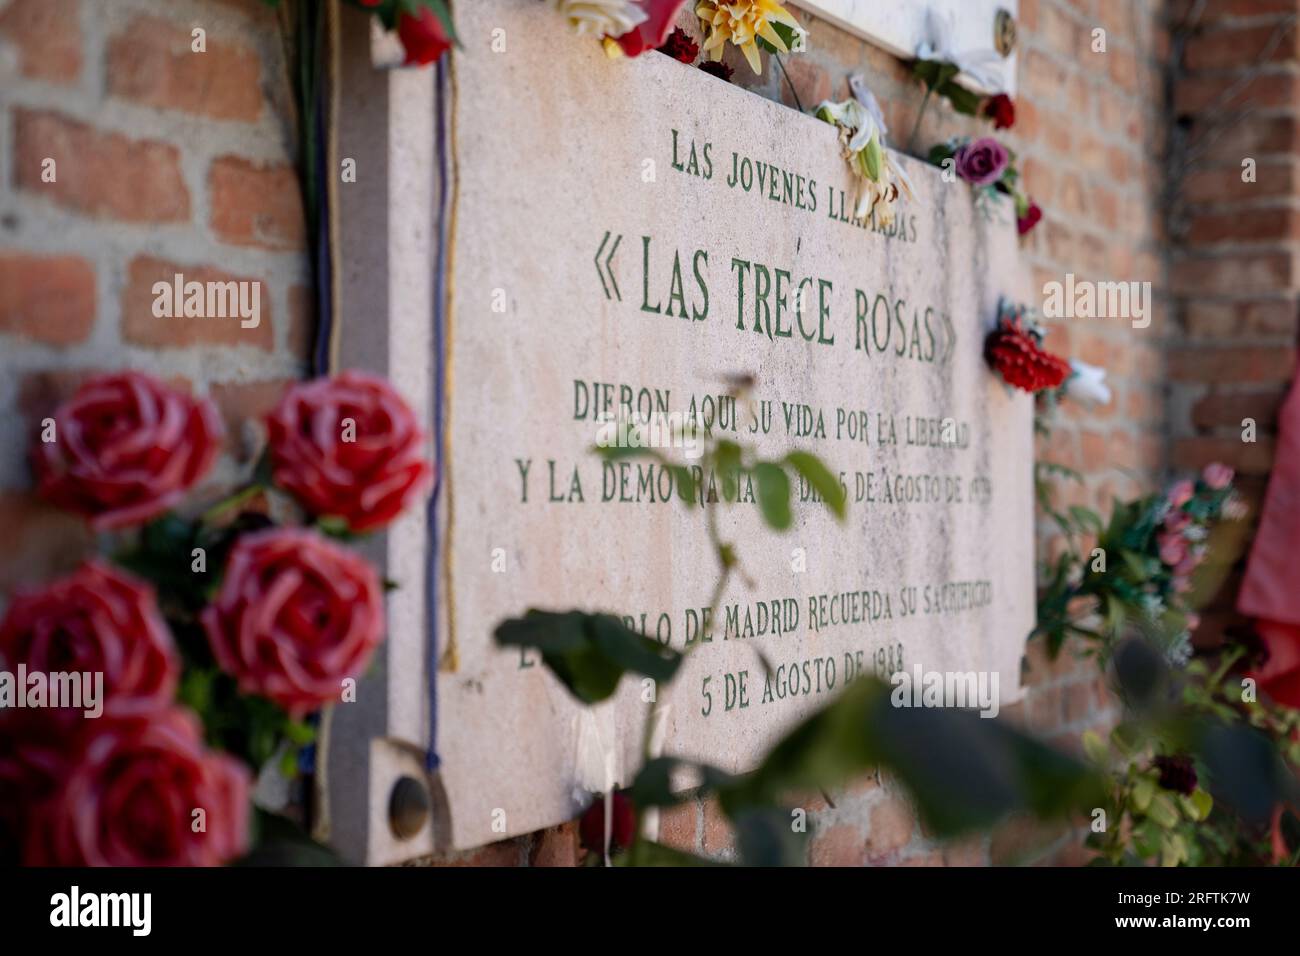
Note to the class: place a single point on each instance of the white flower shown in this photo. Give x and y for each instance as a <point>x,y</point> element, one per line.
<point>1087,384</point>
<point>862,133</point>
<point>602,17</point>
<point>1179,651</point>
<point>982,66</point>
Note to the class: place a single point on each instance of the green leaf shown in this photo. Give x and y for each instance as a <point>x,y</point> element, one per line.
<point>821,479</point>
<point>1095,748</point>
<point>1197,805</point>
<point>962,99</point>
<point>765,837</point>
<point>1144,788</point>
<point>773,494</point>
<point>873,158</point>
<point>588,653</point>
<point>1162,810</point>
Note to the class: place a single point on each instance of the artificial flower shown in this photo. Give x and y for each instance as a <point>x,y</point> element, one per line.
<point>680,47</point>
<point>611,18</point>
<point>982,66</point>
<point>99,620</point>
<point>1177,773</point>
<point>348,447</point>
<point>296,615</point>
<point>981,162</point>
<point>591,828</point>
<point>1181,492</point>
<point>125,448</point>
<point>1087,384</point>
<point>1014,350</point>
<point>862,132</point>
<point>1001,110</point>
<point>1031,216</point>
<point>423,36</point>
<point>742,22</point>
<point>1217,476</point>
<point>651,32</point>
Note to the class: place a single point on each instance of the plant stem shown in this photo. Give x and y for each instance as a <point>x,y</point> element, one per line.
<point>247,493</point>
<point>790,83</point>
<point>920,114</point>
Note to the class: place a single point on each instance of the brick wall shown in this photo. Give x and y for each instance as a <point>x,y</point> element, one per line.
<point>165,161</point>
<point>170,161</point>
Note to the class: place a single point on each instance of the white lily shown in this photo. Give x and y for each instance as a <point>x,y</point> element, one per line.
<point>982,66</point>
<point>1087,384</point>
<point>601,17</point>
<point>862,134</point>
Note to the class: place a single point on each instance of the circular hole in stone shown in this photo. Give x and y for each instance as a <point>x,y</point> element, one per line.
<point>408,807</point>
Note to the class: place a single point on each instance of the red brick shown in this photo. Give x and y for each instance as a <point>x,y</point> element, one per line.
<point>1195,94</point>
<point>889,827</point>
<point>557,846</point>
<point>1254,225</point>
<point>1225,49</point>
<point>718,835</point>
<point>1237,320</point>
<point>141,327</point>
<point>677,826</point>
<point>47,298</point>
<point>840,845</point>
<point>152,62</point>
<point>1225,274</point>
<point>1248,458</point>
<point>41,542</point>
<point>243,406</point>
<point>99,173</point>
<point>1240,364</point>
<point>1273,178</point>
<point>1219,410</point>
<point>256,205</point>
<point>47,36</point>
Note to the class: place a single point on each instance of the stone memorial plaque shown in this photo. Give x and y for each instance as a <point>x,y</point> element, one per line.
<point>632,235</point>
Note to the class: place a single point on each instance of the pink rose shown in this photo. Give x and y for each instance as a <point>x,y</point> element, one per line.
<point>982,161</point>
<point>1217,475</point>
<point>99,621</point>
<point>653,31</point>
<point>1176,522</point>
<point>1172,548</point>
<point>295,615</point>
<point>348,447</point>
<point>1180,493</point>
<point>1181,585</point>
<point>1187,564</point>
<point>125,449</point>
<point>130,795</point>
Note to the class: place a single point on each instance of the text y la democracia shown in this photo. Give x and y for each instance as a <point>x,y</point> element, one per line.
<point>774,302</point>
<point>766,180</point>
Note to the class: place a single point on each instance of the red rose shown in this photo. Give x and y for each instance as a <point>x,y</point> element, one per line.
<point>1279,674</point>
<point>32,761</point>
<point>653,31</point>
<point>130,796</point>
<point>125,448</point>
<point>348,447</point>
<point>99,621</point>
<point>295,616</point>
<point>1001,110</point>
<point>422,36</point>
<point>1030,219</point>
<point>591,828</point>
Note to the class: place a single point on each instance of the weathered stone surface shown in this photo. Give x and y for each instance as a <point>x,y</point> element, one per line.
<point>577,203</point>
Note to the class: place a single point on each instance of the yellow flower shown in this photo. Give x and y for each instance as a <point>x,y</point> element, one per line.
<point>742,22</point>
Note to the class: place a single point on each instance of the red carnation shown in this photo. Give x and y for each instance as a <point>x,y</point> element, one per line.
<point>423,36</point>
<point>591,828</point>
<point>681,47</point>
<point>1001,110</point>
<point>295,616</point>
<point>132,796</point>
<point>348,447</point>
<point>125,449</point>
<point>717,68</point>
<point>98,621</point>
<point>1033,214</point>
<point>653,31</point>
<point>1016,355</point>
